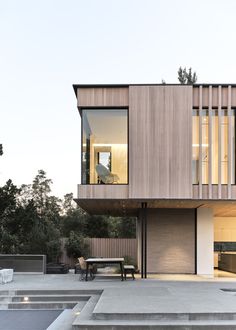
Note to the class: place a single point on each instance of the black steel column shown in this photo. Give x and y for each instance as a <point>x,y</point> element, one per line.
<point>144,241</point>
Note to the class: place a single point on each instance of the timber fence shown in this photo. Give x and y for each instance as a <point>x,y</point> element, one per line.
<point>106,248</point>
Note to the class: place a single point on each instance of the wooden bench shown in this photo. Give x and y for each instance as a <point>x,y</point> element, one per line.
<point>129,269</point>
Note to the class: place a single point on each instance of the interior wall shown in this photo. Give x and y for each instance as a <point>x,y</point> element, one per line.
<point>224,229</point>
<point>119,152</point>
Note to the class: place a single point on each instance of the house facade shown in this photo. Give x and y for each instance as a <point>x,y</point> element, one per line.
<point>165,154</point>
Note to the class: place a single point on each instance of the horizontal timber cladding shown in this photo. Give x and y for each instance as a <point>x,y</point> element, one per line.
<point>160,141</point>
<point>171,241</point>
<point>103,97</point>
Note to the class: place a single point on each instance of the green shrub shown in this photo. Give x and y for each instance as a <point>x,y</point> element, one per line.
<point>76,246</point>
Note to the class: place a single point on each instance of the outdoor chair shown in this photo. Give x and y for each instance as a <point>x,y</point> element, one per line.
<point>83,266</point>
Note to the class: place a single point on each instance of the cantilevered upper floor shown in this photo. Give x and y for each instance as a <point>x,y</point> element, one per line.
<point>157,142</point>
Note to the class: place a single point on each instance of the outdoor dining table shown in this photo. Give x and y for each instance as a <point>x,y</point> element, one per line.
<point>91,261</point>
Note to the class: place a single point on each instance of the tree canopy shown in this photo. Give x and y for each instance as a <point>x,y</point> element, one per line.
<point>33,221</point>
<point>187,76</point>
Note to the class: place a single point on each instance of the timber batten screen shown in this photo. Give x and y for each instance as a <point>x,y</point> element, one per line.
<point>213,143</point>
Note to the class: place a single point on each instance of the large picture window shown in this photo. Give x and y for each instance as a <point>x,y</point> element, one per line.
<point>105,146</point>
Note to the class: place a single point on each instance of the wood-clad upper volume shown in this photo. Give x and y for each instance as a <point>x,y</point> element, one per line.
<point>160,142</point>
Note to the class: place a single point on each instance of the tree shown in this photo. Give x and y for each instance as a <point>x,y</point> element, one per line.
<point>96,226</point>
<point>45,232</point>
<point>187,77</point>
<point>68,204</point>
<point>40,188</point>
<point>38,215</point>
<point>127,228</point>
<point>8,208</point>
<point>73,217</point>
<point>122,227</point>
<point>76,246</point>
<point>74,221</point>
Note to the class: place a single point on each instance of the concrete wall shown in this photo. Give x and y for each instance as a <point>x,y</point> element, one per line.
<point>205,249</point>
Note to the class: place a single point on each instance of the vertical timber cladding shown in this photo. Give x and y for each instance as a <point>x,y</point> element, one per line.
<point>160,141</point>
<point>171,241</point>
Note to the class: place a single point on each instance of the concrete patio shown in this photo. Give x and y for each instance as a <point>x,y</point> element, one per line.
<point>160,302</point>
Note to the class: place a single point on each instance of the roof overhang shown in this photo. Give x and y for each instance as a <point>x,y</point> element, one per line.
<point>131,207</point>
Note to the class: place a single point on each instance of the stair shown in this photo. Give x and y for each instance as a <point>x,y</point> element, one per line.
<point>43,299</point>
<point>78,311</point>
<point>89,319</point>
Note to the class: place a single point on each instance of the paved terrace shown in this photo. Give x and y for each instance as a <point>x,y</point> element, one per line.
<point>165,301</point>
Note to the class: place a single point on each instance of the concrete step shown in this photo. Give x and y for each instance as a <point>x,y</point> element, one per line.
<point>43,305</point>
<point>86,313</point>
<point>154,325</point>
<point>5,299</point>
<point>56,292</point>
<point>164,316</point>
<point>44,298</point>
<point>5,292</point>
<point>66,318</point>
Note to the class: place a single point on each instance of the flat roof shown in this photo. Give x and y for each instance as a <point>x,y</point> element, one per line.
<point>76,86</point>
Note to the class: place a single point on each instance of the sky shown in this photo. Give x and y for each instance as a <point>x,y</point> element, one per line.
<point>48,45</point>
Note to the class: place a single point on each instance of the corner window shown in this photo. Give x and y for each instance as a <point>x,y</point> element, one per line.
<point>105,146</point>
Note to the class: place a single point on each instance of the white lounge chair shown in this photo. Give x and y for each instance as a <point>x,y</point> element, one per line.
<point>105,176</point>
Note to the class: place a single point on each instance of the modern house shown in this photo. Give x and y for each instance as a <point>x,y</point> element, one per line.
<point>166,154</point>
